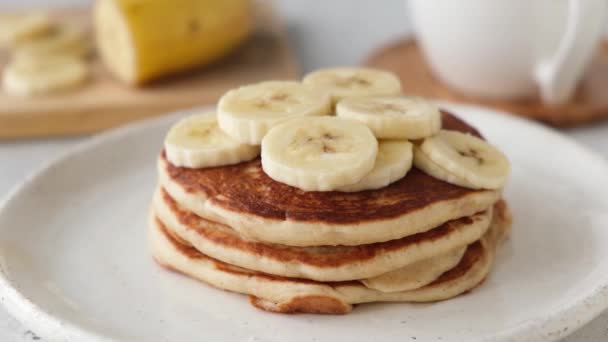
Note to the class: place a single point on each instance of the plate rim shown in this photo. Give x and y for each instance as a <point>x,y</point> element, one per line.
<point>583,309</point>
<point>17,304</point>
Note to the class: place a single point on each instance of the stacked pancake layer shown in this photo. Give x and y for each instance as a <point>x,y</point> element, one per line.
<point>419,239</point>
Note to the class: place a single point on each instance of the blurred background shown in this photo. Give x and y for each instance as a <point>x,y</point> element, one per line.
<point>544,60</point>
<point>339,32</point>
<point>336,33</point>
<point>62,86</point>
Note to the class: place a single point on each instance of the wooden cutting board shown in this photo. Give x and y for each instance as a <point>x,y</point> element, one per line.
<point>105,103</point>
<point>590,102</point>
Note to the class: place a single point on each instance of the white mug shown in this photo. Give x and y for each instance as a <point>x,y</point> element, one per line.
<point>509,48</point>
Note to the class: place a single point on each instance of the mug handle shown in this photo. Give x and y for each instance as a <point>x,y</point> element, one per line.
<point>558,76</point>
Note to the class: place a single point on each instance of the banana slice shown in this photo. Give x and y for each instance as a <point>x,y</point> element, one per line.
<point>197,142</point>
<point>462,159</point>
<point>416,275</point>
<point>422,162</point>
<point>392,163</point>
<point>393,117</point>
<point>319,153</point>
<point>64,39</point>
<point>354,82</point>
<point>15,28</point>
<point>40,76</point>
<point>247,113</point>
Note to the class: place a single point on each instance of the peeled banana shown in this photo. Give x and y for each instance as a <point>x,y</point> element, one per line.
<point>197,142</point>
<point>319,153</point>
<point>248,112</point>
<point>142,40</point>
<point>393,117</point>
<point>346,82</point>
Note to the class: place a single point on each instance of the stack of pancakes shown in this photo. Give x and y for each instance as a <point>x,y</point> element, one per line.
<point>419,239</point>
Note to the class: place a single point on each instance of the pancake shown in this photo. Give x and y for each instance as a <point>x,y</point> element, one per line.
<point>288,295</point>
<point>243,197</point>
<point>322,263</point>
<point>417,274</point>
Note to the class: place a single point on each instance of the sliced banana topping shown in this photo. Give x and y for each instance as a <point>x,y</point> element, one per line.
<point>354,82</point>
<point>197,141</point>
<point>463,159</point>
<point>64,39</point>
<point>392,163</point>
<point>393,117</point>
<point>15,28</point>
<point>416,275</point>
<point>319,153</point>
<point>247,113</point>
<point>39,76</point>
<point>422,162</point>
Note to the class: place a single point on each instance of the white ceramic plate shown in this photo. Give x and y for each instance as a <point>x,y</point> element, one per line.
<point>76,266</point>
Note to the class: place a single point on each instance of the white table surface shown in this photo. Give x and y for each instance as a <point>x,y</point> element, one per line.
<point>331,32</point>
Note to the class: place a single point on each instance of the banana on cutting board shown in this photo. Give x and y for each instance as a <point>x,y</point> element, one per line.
<point>15,28</point>
<point>25,77</point>
<point>393,117</point>
<point>319,153</point>
<point>347,82</point>
<point>141,40</point>
<point>462,159</point>
<point>62,39</point>
<point>248,112</point>
<point>197,142</point>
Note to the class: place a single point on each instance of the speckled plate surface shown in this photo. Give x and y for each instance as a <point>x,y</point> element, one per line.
<point>75,263</point>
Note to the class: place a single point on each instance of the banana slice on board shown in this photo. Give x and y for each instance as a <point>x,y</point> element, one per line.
<point>64,39</point>
<point>347,82</point>
<point>319,153</point>
<point>24,77</point>
<point>247,113</point>
<point>15,28</point>
<point>392,163</point>
<point>462,159</point>
<point>197,142</point>
<point>393,117</point>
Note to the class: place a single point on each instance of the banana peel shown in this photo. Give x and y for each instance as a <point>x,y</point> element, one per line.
<point>143,40</point>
